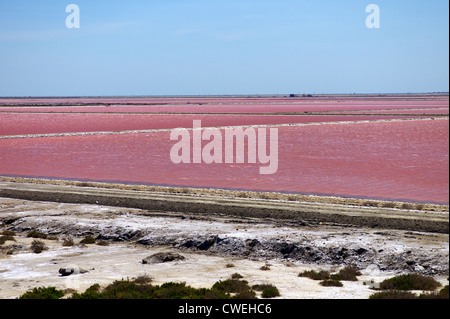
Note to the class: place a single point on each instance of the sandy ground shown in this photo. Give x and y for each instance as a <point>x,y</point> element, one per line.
<point>24,270</point>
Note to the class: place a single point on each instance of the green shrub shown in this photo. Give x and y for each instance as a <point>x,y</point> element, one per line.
<point>231,286</point>
<point>402,294</point>
<point>43,293</point>
<point>393,294</point>
<point>88,240</point>
<point>4,238</point>
<point>268,290</point>
<point>143,280</point>
<point>236,276</point>
<point>389,205</point>
<point>246,294</point>
<point>261,287</point>
<point>410,282</point>
<point>349,273</point>
<point>331,283</point>
<point>444,292</point>
<point>38,246</point>
<point>67,242</point>
<point>36,234</point>
<point>407,206</point>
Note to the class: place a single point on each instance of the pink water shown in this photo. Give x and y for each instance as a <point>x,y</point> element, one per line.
<point>400,160</point>
<point>39,123</point>
<point>221,99</point>
<point>234,108</point>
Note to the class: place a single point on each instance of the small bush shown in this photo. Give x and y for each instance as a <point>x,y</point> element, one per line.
<point>143,280</point>
<point>389,205</point>
<point>314,275</point>
<point>43,293</point>
<point>393,294</point>
<point>410,282</point>
<point>265,267</point>
<point>406,206</point>
<point>270,292</point>
<point>229,265</point>
<point>67,242</point>
<point>236,276</point>
<point>331,283</point>
<point>402,294</point>
<point>444,292</point>
<point>231,286</point>
<point>38,246</point>
<point>36,234</point>
<point>370,204</point>
<point>88,240</point>
<point>4,238</point>
<point>102,243</point>
<point>349,273</point>
<point>8,233</point>
<point>246,294</point>
<point>141,288</point>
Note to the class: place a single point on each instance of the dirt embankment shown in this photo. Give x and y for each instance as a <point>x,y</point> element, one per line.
<point>383,215</point>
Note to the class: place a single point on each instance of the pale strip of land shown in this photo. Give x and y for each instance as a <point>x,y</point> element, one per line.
<point>213,204</point>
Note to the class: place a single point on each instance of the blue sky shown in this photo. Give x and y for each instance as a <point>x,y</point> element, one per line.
<point>201,47</point>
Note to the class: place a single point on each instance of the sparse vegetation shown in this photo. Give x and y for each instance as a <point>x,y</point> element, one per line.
<point>410,282</point>
<point>348,273</point>
<point>88,240</point>
<point>236,276</point>
<point>37,234</point>
<point>8,233</point>
<point>43,293</point>
<point>370,204</point>
<point>38,246</point>
<point>141,288</point>
<point>314,275</point>
<point>331,283</point>
<point>393,294</point>
<point>403,294</point>
<point>268,290</point>
<point>389,205</point>
<point>144,279</point>
<point>6,237</point>
<point>406,206</point>
<point>67,242</point>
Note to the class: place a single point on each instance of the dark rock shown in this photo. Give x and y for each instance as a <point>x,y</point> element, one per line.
<point>360,251</point>
<point>287,249</point>
<point>71,270</point>
<point>162,257</point>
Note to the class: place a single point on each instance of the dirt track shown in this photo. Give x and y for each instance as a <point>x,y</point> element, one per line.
<point>208,204</point>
